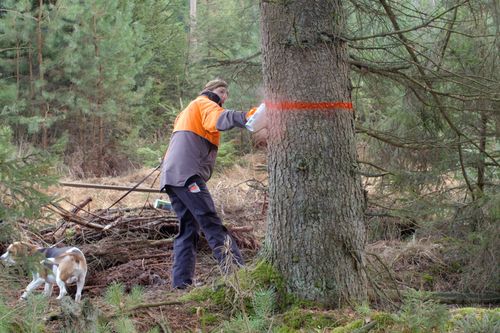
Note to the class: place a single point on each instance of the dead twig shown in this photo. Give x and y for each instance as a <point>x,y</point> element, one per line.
<point>73,217</point>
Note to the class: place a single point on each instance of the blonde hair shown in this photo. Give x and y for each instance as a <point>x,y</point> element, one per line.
<point>214,84</point>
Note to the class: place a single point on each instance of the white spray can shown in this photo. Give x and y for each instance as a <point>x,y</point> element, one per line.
<point>162,204</point>
<point>258,120</point>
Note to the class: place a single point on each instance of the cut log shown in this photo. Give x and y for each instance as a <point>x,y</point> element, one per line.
<point>111,187</point>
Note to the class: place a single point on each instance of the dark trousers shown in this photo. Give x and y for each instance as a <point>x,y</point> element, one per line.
<point>195,209</point>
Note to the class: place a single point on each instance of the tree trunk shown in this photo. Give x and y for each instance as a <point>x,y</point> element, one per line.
<point>32,80</point>
<point>18,74</point>
<point>43,106</point>
<point>192,23</point>
<point>316,232</point>
<point>98,116</point>
<point>481,166</point>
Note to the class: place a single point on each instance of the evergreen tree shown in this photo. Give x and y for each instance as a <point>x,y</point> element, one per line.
<point>426,97</point>
<point>19,87</point>
<point>100,56</point>
<point>316,231</point>
<point>23,179</point>
<point>165,38</point>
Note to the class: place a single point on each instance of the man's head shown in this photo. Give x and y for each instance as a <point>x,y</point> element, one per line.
<point>219,87</point>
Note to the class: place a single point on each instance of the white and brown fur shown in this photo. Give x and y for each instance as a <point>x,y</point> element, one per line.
<point>61,266</point>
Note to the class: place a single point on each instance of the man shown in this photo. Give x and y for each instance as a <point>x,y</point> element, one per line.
<point>187,165</point>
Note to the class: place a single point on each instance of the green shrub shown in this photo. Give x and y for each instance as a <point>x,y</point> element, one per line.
<point>421,316</point>
<point>227,155</point>
<point>148,156</point>
<point>115,296</point>
<point>259,320</point>
<point>21,179</point>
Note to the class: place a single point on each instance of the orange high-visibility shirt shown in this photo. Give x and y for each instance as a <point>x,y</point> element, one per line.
<point>200,117</point>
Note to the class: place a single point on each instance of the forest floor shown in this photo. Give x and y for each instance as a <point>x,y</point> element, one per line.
<point>136,250</point>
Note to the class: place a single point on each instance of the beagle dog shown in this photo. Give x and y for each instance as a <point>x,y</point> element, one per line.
<point>63,266</point>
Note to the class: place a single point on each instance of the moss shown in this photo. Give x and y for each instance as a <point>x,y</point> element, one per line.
<point>349,327</point>
<point>209,319</point>
<point>461,313</point>
<point>427,278</point>
<point>264,275</point>
<point>216,296</point>
<point>323,321</point>
<point>383,319</point>
<point>474,320</point>
<point>285,329</point>
<point>297,318</point>
<point>465,311</point>
<point>304,303</point>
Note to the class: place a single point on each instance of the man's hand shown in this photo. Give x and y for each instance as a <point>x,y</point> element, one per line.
<point>250,113</point>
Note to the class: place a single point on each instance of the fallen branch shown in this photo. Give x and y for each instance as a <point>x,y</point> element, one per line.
<point>143,306</point>
<point>366,328</point>
<point>69,216</point>
<point>111,187</point>
<point>465,298</point>
<point>452,297</point>
<point>154,305</point>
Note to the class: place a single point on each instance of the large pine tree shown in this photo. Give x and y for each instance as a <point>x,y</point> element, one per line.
<point>316,232</point>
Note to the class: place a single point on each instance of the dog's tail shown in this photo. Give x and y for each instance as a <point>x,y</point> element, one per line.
<point>49,262</point>
<point>74,250</point>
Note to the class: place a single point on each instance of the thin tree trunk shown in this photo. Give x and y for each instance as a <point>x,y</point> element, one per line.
<point>208,32</point>
<point>30,66</point>
<point>191,44</point>
<point>98,99</point>
<point>43,105</point>
<point>18,76</point>
<point>482,144</point>
<point>316,232</point>
<point>31,88</point>
<point>192,22</point>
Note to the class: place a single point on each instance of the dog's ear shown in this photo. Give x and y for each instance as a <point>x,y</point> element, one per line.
<point>27,248</point>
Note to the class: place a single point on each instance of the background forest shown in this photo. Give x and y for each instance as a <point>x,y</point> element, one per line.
<point>91,89</point>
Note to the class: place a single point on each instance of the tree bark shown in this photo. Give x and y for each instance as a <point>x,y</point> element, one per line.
<point>192,23</point>
<point>316,232</point>
<point>481,166</point>
<point>98,116</point>
<point>44,110</point>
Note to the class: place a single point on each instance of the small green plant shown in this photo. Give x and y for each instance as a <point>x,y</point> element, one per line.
<point>124,325</point>
<point>421,316</point>
<point>5,317</point>
<point>122,303</point>
<point>115,296</point>
<point>33,312</point>
<point>263,304</point>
